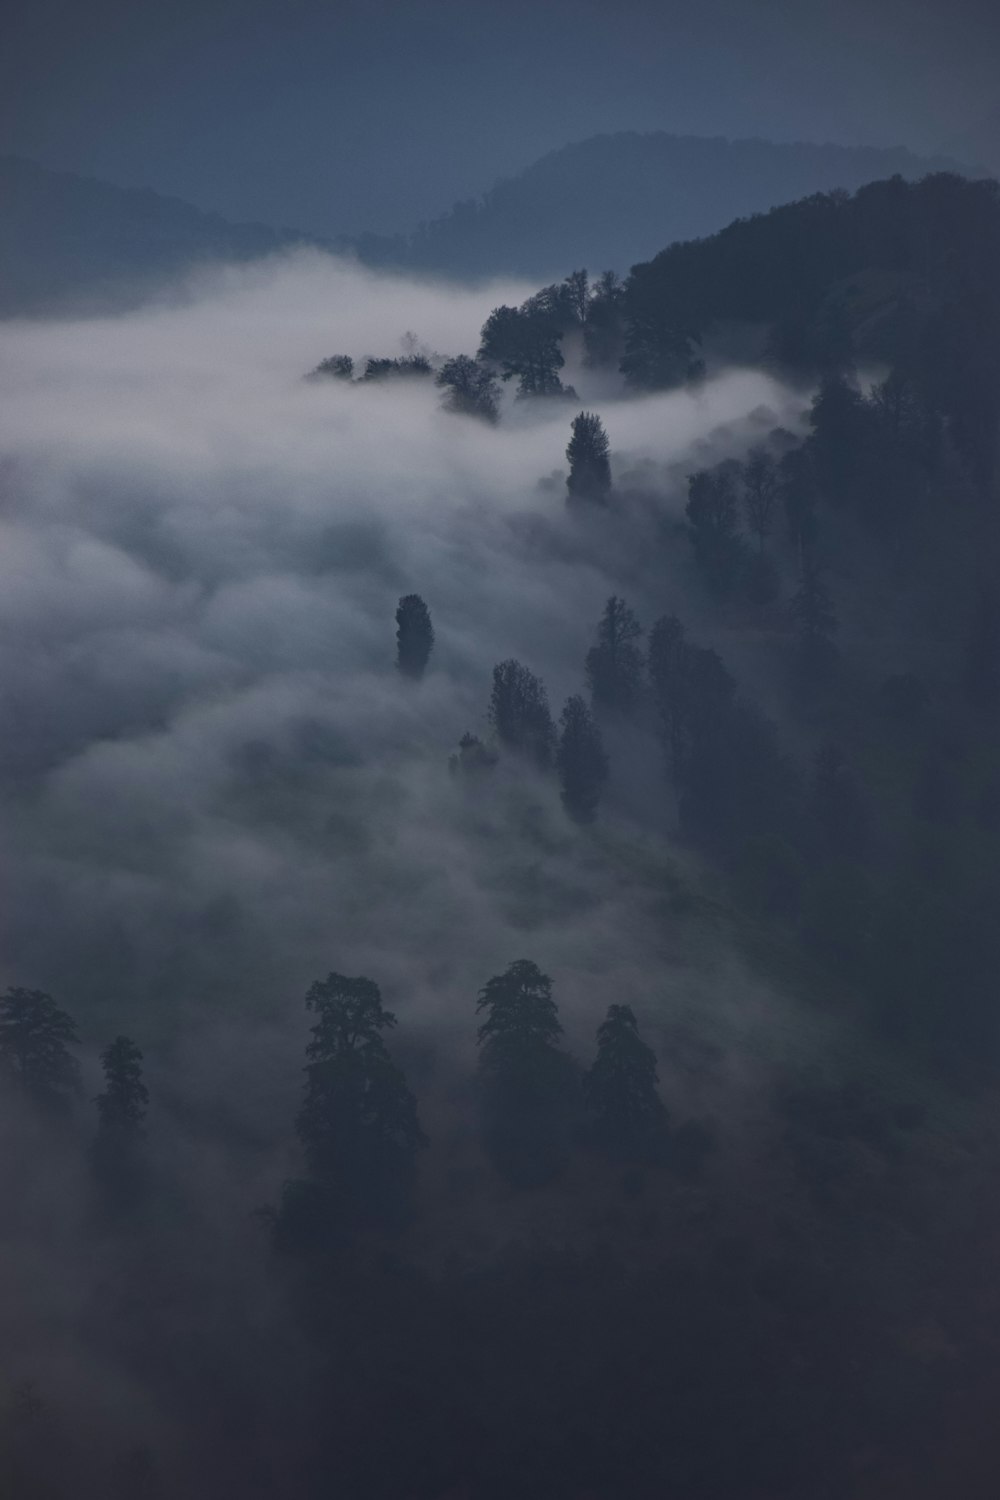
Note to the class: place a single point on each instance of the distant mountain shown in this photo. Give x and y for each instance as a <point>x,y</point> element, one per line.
<point>612,200</point>
<point>74,244</point>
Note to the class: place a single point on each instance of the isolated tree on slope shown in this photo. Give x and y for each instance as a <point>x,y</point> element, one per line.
<point>614,665</point>
<point>620,1089</point>
<point>358,1122</point>
<point>525,1082</point>
<point>121,1109</point>
<point>581,761</point>
<point>414,635</point>
<point>472,389</point>
<point>589,465</point>
<point>519,712</point>
<point>35,1036</point>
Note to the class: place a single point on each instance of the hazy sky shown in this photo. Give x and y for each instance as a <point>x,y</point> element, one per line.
<point>373,113</point>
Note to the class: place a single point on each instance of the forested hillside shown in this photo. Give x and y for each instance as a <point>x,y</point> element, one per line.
<point>612,199</point>
<point>505,830</point>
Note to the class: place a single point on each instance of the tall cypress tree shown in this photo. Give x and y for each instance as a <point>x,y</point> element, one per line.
<point>519,712</point>
<point>414,635</point>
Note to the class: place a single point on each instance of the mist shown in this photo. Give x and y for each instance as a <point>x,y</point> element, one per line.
<point>217,787</point>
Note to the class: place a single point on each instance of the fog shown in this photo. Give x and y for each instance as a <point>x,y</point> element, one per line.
<point>216,785</point>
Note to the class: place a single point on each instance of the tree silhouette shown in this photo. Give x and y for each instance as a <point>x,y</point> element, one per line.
<point>525,342</point>
<point>669,665</point>
<point>760,491</point>
<point>337,367</point>
<point>589,465</point>
<point>519,712</point>
<point>121,1109</point>
<point>815,622</point>
<point>35,1036</point>
<point>580,761</point>
<point>525,1081</point>
<point>602,330</point>
<point>358,1122</point>
<point>414,635</point>
<point>614,667</point>
<point>620,1090</point>
<point>472,389</point>
<point>713,513</point>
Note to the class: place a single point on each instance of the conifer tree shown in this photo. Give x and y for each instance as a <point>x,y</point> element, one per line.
<point>620,1090</point>
<point>121,1109</point>
<point>414,635</point>
<point>525,1081</point>
<point>358,1122</point>
<point>614,666</point>
<point>589,464</point>
<point>581,761</point>
<point>35,1036</point>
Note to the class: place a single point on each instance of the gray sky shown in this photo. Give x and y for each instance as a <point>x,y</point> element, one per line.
<point>374,113</point>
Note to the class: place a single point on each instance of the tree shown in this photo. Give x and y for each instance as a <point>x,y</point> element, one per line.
<point>576,294</point>
<point>472,389</point>
<point>35,1036</point>
<point>471,757</point>
<point>815,622</point>
<point>589,465</point>
<point>620,1090</point>
<point>580,760</point>
<point>760,490</point>
<point>798,486</point>
<point>602,329</point>
<point>414,635</point>
<point>659,354</point>
<point>337,367</point>
<point>525,1081</point>
<point>669,663</point>
<point>525,342</point>
<point>614,666</point>
<point>713,514</point>
<point>358,1122</point>
<point>519,712</point>
<point>121,1109</point>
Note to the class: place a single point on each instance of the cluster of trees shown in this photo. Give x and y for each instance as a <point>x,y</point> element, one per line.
<point>36,1037</point>
<point>358,1124</point>
<point>341,367</point>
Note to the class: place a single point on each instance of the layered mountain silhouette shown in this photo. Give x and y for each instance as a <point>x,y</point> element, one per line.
<point>76,244</point>
<point>612,200</point>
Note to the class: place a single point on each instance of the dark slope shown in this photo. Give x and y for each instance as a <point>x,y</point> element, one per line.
<point>70,243</point>
<point>610,200</point>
